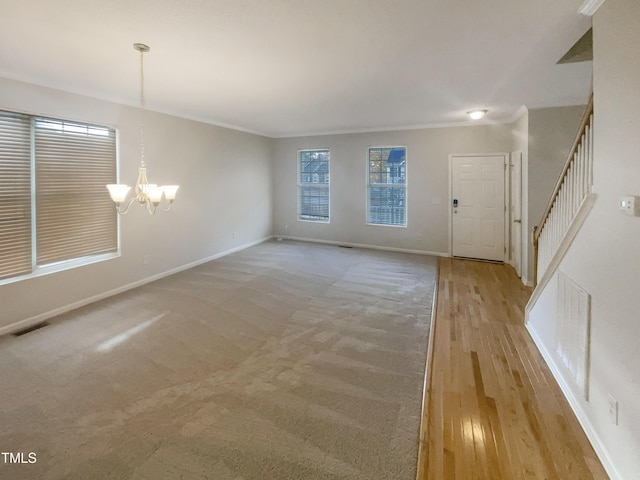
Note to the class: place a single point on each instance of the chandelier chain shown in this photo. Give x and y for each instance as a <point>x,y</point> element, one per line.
<point>142,106</point>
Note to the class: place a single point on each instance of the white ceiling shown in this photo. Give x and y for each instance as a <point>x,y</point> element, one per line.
<point>292,67</point>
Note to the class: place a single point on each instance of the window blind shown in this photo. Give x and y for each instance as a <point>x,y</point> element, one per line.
<point>313,185</point>
<point>74,214</point>
<point>15,194</point>
<point>387,186</point>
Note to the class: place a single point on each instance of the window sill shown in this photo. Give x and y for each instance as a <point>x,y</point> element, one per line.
<point>326,222</point>
<point>384,225</point>
<point>61,266</point>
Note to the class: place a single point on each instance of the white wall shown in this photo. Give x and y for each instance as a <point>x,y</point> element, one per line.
<point>225,179</point>
<point>427,175</point>
<point>552,132</point>
<point>604,257</point>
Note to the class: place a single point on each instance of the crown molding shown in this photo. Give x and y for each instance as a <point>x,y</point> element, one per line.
<point>589,7</point>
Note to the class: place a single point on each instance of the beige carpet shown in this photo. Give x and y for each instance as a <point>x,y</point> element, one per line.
<point>287,360</point>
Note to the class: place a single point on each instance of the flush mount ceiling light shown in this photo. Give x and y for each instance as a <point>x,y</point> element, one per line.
<point>149,195</point>
<point>477,114</point>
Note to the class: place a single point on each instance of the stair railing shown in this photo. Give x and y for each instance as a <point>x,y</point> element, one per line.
<point>572,188</point>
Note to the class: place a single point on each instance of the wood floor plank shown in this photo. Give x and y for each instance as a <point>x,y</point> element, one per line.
<point>493,409</point>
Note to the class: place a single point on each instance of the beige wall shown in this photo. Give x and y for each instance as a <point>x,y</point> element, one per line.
<point>604,257</point>
<point>428,184</point>
<point>238,188</point>
<point>224,202</point>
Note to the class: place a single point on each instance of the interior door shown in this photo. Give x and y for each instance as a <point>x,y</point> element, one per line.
<point>515,216</point>
<point>478,211</point>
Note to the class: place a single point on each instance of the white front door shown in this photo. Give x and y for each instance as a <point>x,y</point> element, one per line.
<point>477,187</point>
<point>516,212</point>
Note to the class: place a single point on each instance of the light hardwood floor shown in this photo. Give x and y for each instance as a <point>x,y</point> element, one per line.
<point>493,409</point>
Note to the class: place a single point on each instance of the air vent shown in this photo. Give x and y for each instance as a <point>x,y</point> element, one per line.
<point>30,329</point>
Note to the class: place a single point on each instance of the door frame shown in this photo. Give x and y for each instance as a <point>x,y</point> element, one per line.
<point>515,166</point>
<point>507,195</point>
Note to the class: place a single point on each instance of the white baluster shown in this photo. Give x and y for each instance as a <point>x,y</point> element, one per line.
<point>576,181</point>
<point>565,209</point>
<point>590,142</point>
<point>570,190</point>
<point>580,176</point>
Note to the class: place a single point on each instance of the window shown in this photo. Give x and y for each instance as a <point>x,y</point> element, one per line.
<point>53,202</point>
<point>313,185</point>
<point>387,186</point>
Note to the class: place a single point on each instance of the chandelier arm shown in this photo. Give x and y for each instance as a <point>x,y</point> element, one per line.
<point>126,204</point>
<point>166,209</point>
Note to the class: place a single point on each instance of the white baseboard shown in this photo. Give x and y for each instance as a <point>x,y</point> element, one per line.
<point>29,322</point>
<point>582,417</point>
<point>362,245</point>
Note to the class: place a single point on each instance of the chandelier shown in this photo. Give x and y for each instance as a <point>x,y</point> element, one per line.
<point>149,195</point>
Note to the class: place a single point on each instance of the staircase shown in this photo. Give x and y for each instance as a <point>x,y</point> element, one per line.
<point>569,206</point>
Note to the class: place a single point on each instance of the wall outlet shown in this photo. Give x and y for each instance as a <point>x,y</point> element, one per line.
<point>234,235</point>
<point>145,259</point>
<point>613,410</point>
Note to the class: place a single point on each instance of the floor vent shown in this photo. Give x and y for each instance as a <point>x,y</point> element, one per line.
<point>345,246</point>
<point>30,329</point>
<point>573,330</point>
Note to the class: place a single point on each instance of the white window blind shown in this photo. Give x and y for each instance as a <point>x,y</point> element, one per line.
<point>70,216</point>
<point>15,194</point>
<point>387,186</point>
<point>313,185</point>
<point>74,214</point>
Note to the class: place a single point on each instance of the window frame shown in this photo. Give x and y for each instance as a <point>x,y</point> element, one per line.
<point>38,270</point>
<point>300,184</point>
<point>404,186</point>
